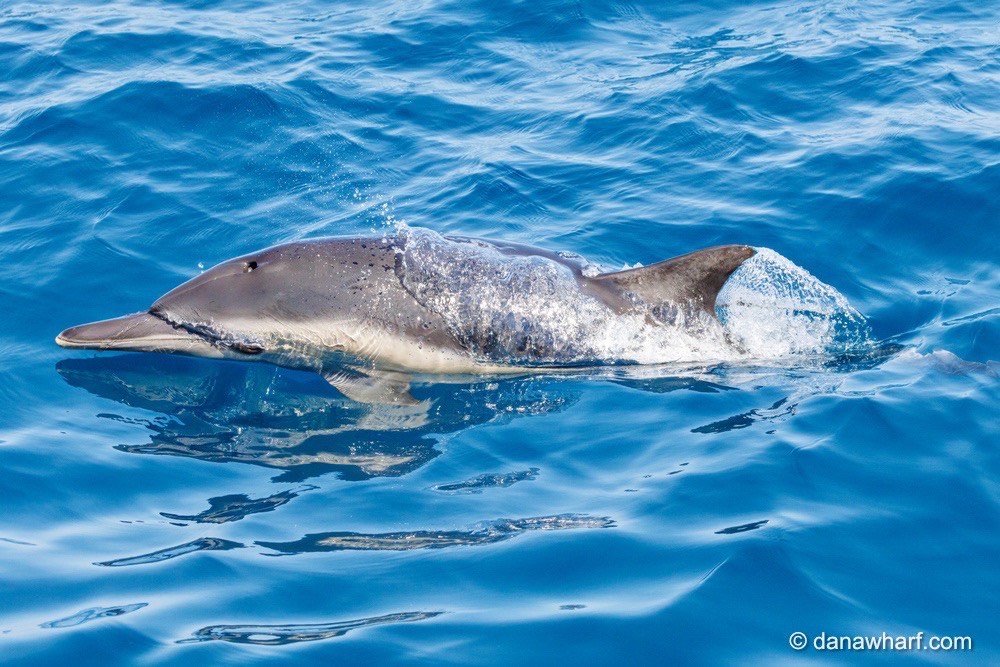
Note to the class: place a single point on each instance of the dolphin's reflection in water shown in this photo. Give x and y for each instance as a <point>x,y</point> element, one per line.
<point>296,423</point>
<point>293,421</point>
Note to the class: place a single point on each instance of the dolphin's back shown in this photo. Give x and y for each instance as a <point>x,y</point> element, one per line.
<point>692,280</point>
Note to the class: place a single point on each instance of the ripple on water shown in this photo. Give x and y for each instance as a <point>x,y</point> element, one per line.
<point>276,635</point>
<point>223,509</point>
<point>488,481</point>
<point>194,546</point>
<point>93,614</point>
<point>489,533</point>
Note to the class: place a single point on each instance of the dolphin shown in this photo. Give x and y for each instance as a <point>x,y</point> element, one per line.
<point>366,312</point>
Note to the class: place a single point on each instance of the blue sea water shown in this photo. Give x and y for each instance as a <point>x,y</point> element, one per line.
<point>169,510</point>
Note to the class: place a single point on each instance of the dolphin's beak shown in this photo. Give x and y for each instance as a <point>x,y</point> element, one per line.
<point>140,332</point>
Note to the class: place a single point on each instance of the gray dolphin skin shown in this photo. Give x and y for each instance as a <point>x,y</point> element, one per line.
<point>364,311</point>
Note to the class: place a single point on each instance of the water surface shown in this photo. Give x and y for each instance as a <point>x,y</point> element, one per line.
<point>163,510</point>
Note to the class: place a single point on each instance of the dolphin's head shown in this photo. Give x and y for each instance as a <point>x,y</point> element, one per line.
<point>228,311</point>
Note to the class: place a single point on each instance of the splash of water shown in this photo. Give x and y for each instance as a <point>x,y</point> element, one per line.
<point>771,308</point>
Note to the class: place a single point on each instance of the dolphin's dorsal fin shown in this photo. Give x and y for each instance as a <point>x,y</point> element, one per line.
<point>692,280</point>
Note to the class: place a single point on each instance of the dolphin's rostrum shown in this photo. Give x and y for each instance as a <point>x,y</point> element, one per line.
<point>364,311</point>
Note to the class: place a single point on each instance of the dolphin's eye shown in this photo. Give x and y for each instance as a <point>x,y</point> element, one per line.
<point>249,266</point>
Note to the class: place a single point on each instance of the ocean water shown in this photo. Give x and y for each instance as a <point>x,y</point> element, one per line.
<point>170,510</point>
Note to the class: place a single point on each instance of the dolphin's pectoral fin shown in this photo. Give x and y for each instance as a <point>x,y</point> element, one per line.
<point>694,279</point>
<point>393,408</point>
<point>372,386</point>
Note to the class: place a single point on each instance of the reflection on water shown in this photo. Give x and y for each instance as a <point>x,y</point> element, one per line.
<point>295,422</point>
<point>778,411</point>
<point>734,530</point>
<point>292,421</point>
<point>651,379</point>
<point>298,424</point>
<point>487,481</point>
<point>486,533</point>
<point>273,635</point>
<point>224,509</point>
<point>201,544</point>
<point>93,614</point>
